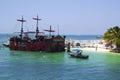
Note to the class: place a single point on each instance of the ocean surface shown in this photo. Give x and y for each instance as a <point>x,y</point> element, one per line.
<point>21,65</point>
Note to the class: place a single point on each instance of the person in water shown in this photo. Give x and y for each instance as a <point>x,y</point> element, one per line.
<point>68,47</point>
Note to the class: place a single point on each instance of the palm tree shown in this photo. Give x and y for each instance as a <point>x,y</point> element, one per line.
<point>112,36</point>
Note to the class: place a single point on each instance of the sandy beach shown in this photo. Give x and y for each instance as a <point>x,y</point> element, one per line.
<point>89,45</point>
<point>94,49</point>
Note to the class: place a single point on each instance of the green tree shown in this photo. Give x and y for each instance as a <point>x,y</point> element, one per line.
<point>112,35</point>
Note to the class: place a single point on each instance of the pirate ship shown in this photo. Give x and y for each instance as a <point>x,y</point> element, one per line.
<point>40,42</point>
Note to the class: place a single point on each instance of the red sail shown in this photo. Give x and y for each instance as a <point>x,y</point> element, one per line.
<point>36,19</point>
<point>49,30</point>
<point>21,20</point>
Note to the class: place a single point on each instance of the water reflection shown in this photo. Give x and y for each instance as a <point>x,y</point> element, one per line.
<point>21,65</point>
<point>38,56</point>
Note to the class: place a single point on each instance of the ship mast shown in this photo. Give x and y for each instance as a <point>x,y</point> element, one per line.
<point>50,30</point>
<point>37,30</point>
<point>21,20</point>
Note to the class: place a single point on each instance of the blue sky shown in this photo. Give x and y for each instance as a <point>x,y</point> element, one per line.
<point>72,16</point>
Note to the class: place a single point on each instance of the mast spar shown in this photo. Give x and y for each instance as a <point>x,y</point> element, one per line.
<point>22,21</point>
<point>50,30</point>
<point>37,30</point>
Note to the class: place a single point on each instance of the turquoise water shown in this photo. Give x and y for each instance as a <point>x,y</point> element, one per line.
<point>20,65</point>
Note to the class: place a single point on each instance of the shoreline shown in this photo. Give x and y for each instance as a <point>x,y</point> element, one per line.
<point>98,45</point>
<point>93,49</point>
<point>102,50</point>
